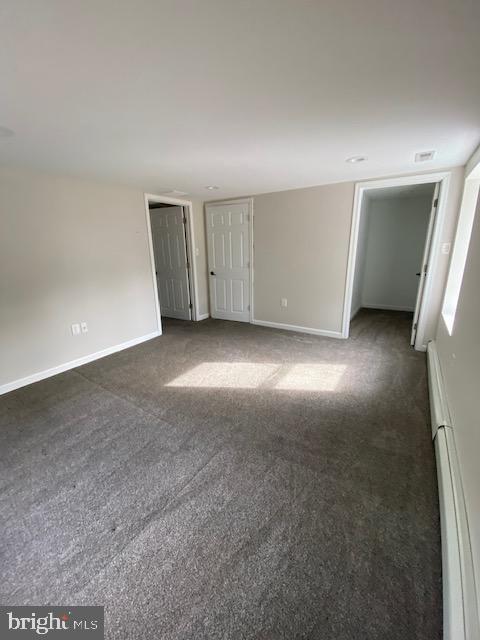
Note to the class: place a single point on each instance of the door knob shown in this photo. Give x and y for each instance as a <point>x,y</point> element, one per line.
<point>212,273</point>
<point>417,274</point>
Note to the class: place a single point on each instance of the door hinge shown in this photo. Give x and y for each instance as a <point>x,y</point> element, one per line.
<point>435,203</point>
<point>415,326</point>
<point>425,269</point>
<point>190,306</point>
<point>184,220</point>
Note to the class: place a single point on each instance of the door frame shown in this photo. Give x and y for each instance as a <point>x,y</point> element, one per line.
<point>190,247</point>
<point>443,178</point>
<point>249,203</point>
<point>427,245</point>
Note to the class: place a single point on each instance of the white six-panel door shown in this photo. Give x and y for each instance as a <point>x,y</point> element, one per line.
<point>169,249</point>
<point>228,240</point>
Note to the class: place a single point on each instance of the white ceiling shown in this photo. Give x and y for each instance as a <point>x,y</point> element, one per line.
<point>250,95</point>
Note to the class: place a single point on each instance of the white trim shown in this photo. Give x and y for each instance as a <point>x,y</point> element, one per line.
<point>193,279</point>
<point>461,243</point>
<point>293,327</point>
<point>473,162</point>
<point>433,262</point>
<point>249,202</point>
<point>203,316</point>
<point>460,611</point>
<point>152,264</point>
<point>386,307</point>
<point>78,362</point>
<point>453,618</point>
<point>360,189</point>
<point>440,416</point>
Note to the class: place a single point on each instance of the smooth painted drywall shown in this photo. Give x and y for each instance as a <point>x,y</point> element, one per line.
<point>200,251</point>
<point>263,95</point>
<point>301,240</point>
<point>71,251</point>
<point>391,250</point>
<point>459,356</point>
<point>439,262</point>
<point>360,260</point>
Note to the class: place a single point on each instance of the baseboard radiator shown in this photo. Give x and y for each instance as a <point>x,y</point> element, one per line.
<point>460,614</point>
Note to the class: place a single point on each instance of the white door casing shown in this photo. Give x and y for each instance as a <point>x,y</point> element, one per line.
<point>229,259</point>
<point>425,263</point>
<point>171,264</point>
<point>443,178</point>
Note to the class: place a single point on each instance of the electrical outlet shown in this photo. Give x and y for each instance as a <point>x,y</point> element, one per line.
<point>75,329</point>
<point>446,248</point>
<point>284,302</point>
<point>84,327</point>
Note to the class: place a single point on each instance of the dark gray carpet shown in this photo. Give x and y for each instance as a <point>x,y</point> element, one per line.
<point>300,503</point>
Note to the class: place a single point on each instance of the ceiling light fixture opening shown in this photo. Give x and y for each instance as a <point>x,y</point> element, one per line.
<point>211,187</point>
<point>424,156</point>
<point>355,159</point>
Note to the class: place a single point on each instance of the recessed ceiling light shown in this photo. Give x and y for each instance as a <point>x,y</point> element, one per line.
<point>5,132</point>
<point>211,187</point>
<point>355,159</point>
<point>423,156</point>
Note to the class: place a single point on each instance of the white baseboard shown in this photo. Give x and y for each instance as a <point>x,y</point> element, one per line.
<point>47,373</point>
<point>387,307</point>
<point>293,327</point>
<point>439,413</point>
<point>203,316</point>
<point>453,611</point>
<point>460,616</point>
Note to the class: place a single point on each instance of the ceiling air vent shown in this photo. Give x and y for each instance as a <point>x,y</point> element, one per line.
<point>424,156</point>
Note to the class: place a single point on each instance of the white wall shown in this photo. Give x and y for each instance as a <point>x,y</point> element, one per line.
<point>301,249</point>
<point>301,246</point>
<point>73,250</point>
<point>394,230</point>
<point>439,263</point>
<point>360,260</point>
<point>201,259</point>
<point>459,356</point>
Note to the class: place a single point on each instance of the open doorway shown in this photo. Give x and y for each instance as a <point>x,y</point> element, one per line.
<point>395,233</point>
<point>170,230</point>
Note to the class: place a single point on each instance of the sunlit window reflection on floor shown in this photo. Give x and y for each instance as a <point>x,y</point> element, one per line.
<point>240,375</point>
<point>312,377</point>
<point>252,375</point>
